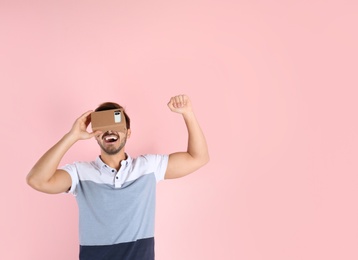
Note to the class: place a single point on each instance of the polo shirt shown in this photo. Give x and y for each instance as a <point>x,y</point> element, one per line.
<point>117,208</point>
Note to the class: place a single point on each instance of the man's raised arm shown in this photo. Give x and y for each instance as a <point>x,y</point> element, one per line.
<point>197,155</point>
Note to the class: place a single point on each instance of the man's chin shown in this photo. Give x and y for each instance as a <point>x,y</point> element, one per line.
<point>112,151</point>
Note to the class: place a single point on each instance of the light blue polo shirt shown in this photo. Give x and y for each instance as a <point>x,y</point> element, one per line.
<point>116,207</point>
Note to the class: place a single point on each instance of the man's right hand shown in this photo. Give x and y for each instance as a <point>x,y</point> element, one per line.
<point>79,128</point>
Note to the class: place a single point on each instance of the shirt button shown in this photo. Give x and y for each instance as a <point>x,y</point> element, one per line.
<point>112,170</point>
<point>117,177</point>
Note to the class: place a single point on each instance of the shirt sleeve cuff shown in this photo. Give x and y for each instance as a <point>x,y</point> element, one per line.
<point>74,177</point>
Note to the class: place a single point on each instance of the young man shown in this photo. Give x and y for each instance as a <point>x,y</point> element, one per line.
<point>116,193</point>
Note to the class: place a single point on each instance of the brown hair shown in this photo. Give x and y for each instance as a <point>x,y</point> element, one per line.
<point>111,105</point>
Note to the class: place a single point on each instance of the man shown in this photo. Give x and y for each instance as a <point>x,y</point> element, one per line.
<point>116,193</point>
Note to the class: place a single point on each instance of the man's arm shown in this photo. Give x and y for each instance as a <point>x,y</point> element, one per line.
<point>197,155</point>
<point>44,175</point>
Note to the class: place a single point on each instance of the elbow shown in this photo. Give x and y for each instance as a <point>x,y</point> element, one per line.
<point>30,181</point>
<point>205,160</point>
<point>33,182</point>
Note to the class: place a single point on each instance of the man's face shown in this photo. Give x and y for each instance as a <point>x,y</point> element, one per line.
<point>112,142</point>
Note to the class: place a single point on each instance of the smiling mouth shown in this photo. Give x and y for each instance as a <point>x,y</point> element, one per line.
<point>110,138</point>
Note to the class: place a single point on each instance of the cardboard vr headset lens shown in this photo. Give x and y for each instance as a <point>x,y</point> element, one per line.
<point>106,120</point>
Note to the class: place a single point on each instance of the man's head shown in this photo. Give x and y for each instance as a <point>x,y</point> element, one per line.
<point>112,142</point>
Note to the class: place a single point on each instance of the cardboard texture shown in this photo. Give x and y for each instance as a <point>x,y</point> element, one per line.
<point>113,120</point>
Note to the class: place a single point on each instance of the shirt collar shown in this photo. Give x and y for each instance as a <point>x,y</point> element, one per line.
<point>100,164</point>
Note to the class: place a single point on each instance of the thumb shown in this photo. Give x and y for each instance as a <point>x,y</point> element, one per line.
<point>95,133</point>
<point>170,104</point>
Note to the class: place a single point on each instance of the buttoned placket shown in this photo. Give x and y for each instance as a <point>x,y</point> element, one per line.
<point>118,176</point>
<point>113,172</point>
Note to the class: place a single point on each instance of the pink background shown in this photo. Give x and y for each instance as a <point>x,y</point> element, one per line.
<point>274,86</point>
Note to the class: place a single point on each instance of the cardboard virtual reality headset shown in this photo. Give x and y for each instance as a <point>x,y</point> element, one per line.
<point>106,120</point>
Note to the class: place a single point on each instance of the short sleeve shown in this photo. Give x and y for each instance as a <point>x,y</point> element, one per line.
<point>72,171</point>
<point>158,164</point>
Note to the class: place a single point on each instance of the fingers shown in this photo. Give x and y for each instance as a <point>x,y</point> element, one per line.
<point>81,123</point>
<point>86,117</point>
<point>94,134</point>
<point>87,113</point>
<point>178,101</point>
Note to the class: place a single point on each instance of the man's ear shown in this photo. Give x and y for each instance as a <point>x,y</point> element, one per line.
<point>129,133</point>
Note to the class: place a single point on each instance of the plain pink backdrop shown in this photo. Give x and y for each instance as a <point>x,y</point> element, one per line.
<point>274,86</point>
